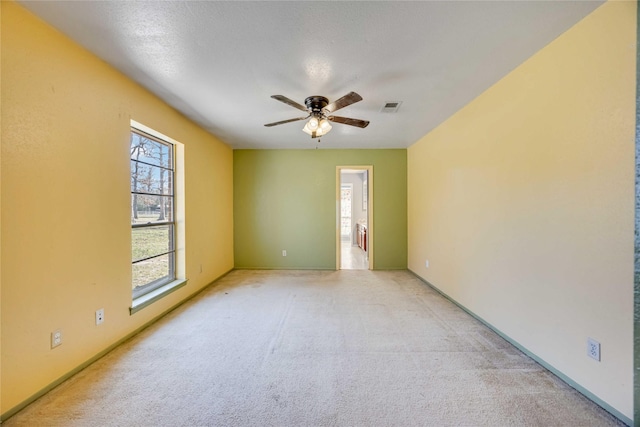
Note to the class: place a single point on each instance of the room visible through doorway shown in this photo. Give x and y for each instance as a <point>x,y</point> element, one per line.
<point>354,237</point>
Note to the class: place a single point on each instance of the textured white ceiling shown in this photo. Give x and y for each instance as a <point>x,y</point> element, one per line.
<point>219,62</point>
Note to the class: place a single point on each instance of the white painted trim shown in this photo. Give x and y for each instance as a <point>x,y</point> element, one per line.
<point>153,132</point>
<point>155,295</point>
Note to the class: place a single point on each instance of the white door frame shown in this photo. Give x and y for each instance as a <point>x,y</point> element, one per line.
<point>370,233</point>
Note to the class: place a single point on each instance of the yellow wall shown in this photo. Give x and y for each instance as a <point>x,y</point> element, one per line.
<point>523,203</point>
<point>0,214</point>
<point>65,203</point>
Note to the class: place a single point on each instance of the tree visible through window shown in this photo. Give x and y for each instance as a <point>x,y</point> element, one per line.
<point>152,213</point>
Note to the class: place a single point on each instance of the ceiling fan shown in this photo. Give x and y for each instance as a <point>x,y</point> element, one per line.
<point>318,109</point>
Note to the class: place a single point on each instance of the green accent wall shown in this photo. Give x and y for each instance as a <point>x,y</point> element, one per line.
<point>286,199</point>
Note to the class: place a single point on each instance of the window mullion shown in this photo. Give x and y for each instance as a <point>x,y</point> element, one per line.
<point>170,169</point>
<point>153,256</point>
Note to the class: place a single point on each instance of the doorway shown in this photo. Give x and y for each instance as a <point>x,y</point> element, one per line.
<point>354,231</point>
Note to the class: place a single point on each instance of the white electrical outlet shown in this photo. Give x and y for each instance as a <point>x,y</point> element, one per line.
<point>593,349</point>
<point>284,252</point>
<point>56,338</point>
<point>426,263</point>
<point>100,316</point>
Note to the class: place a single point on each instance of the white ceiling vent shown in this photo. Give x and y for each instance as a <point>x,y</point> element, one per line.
<point>391,107</point>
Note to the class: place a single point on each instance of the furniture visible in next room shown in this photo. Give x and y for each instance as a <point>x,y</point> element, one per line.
<point>361,236</point>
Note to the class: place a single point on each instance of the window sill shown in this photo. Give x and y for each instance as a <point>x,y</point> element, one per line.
<point>153,296</point>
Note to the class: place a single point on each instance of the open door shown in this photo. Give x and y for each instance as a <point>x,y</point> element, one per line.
<point>354,217</point>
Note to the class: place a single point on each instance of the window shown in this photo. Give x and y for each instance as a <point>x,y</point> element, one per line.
<point>153,226</point>
<point>346,193</point>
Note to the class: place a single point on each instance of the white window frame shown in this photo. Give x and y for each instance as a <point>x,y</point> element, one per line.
<point>157,289</point>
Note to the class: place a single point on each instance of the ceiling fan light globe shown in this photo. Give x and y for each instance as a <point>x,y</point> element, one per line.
<point>313,123</point>
<point>325,125</point>
<point>307,129</point>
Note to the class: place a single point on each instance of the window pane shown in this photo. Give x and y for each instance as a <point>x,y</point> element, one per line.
<point>150,151</point>
<point>150,179</point>
<point>149,209</point>
<point>151,203</point>
<point>150,241</point>
<point>154,269</point>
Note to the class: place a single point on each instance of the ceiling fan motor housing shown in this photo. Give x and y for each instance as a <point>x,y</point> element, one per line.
<point>315,104</point>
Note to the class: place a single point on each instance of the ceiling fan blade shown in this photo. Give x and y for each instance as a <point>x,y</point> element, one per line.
<point>288,101</point>
<point>286,121</point>
<point>347,121</point>
<point>346,100</point>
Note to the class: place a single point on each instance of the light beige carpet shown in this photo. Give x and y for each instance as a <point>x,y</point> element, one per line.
<point>292,348</point>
